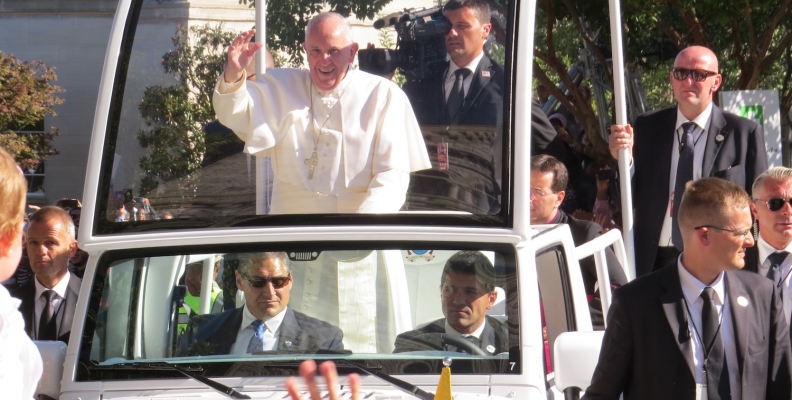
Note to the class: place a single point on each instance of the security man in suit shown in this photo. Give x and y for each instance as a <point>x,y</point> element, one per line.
<point>676,145</point>
<point>772,210</point>
<point>702,328</point>
<point>265,323</point>
<point>50,299</point>
<point>468,90</point>
<point>467,291</point>
<point>549,178</point>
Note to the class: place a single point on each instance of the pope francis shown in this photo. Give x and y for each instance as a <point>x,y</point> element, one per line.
<point>341,140</point>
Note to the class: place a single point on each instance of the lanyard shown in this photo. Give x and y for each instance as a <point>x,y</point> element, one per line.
<point>705,348</point>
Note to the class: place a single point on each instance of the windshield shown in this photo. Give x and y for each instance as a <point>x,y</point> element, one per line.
<point>397,137</point>
<point>254,312</point>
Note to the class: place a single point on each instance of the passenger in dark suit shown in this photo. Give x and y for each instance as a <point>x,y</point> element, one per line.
<point>467,291</point>
<point>723,145</point>
<point>704,312</point>
<point>549,179</point>
<point>50,299</point>
<point>773,214</point>
<point>265,323</point>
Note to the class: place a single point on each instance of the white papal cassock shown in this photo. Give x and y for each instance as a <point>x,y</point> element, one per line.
<point>364,133</point>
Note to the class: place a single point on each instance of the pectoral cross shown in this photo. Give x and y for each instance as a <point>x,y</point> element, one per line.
<point>312,163</point>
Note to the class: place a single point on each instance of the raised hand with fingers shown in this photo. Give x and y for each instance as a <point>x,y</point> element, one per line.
<point>328,371</point>
<point>240,54</point>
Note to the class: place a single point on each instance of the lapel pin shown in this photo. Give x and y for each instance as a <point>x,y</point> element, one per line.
<point>719,138</point>
<point>490,348</point>
<point>288,343</point>
<point>485,73</point>
<point>742,301</point>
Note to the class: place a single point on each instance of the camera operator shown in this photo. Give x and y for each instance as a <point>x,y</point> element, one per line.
<point>469,78</point>
<point>468,90</point>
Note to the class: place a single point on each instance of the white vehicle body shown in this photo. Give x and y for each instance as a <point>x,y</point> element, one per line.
<point>542,256</point>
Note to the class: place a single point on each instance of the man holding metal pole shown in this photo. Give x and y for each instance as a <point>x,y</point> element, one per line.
<point>673,146</point>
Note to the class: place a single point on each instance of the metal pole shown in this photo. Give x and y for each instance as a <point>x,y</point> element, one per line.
<point>261,69</point>
<point>621,119</point>
<point>207,278</point>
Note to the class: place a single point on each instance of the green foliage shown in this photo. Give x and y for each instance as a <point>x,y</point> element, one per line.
<point>289,17</point>
<point>26,97</point>
<point>386,39</point>
<point>175,116</point>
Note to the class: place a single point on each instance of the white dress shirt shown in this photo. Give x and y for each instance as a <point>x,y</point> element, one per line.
<point>702,122</point>
<point>692,288</point>
<point>765,249</point>
<point>20,361</point>
<point>57,302</point>
<point>476,334</point>
<point>450,76</point>
<point>364,133</point>
<point>246,331</point>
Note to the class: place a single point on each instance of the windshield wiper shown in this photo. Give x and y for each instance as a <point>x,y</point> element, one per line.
<point>164,366</point>
<point>400,384</point>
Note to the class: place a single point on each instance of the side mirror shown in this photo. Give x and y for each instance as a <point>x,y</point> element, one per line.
<point>53,355</point>
<point>576,355</point>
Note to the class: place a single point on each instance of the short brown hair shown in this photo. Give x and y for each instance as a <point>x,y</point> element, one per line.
<point>707,200</point>
<point>471,263</point>
<point>544,164</point>
<point>13,189</point>
<point>49,213</point>
<point>480,8</point>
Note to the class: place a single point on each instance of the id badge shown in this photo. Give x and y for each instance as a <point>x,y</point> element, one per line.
<point>442,156</point>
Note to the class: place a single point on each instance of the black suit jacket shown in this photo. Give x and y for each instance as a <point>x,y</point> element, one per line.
<point>27,294</point>
<point>752,258</point>
<point>738,157</point>
<point>483,103</point>
<point>647,351</point>
<point>212,334</point>
<point>475,155</point>
<point>495,335</point>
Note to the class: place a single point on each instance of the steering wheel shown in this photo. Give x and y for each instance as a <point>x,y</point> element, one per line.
<point>438,341</point>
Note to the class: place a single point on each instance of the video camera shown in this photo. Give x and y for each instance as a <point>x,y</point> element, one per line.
<point>419,47</point>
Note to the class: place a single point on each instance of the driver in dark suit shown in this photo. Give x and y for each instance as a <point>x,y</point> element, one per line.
<point>265,323</point>
<point>467,291</point>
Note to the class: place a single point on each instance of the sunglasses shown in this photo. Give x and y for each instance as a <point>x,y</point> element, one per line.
<point>776,203</point>
<point>258,282</point>
<point>699,75</point>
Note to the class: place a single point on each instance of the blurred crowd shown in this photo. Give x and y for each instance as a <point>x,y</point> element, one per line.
<point>592,192</point>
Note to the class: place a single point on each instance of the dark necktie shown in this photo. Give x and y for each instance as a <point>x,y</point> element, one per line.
<point>457,96</point>
<point>684,175</point>
<point>774,273</point>
<point>716,372</point>
<point>46,327</point>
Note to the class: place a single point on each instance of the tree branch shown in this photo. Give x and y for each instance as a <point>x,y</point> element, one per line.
<point>776,54</point>
<point>587,38</point>
<point>671,33</point>
<point>737,52</point>
<point>698,37</point>
<point>755,54</point>
<point>766,38</point>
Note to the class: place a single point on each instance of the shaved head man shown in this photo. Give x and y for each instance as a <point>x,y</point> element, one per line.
<point>670,147</point>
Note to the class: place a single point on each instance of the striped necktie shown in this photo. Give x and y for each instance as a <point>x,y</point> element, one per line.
<point>256,343</point>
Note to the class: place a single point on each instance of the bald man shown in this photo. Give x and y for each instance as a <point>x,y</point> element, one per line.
<point>675,145</point>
